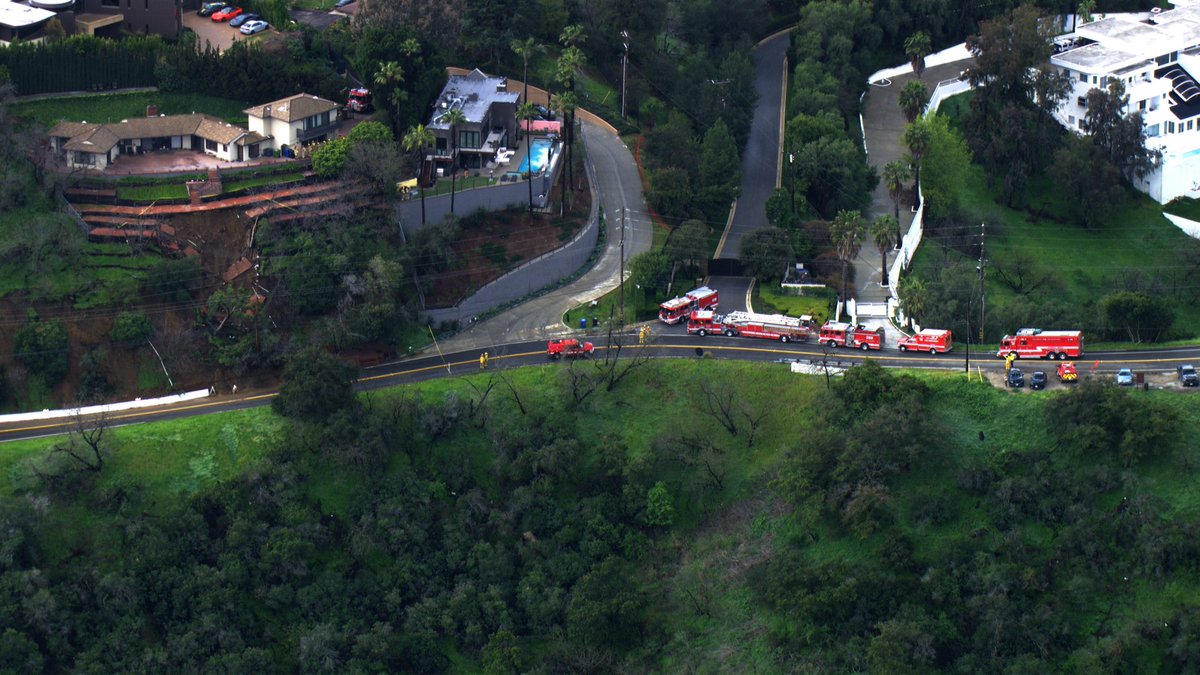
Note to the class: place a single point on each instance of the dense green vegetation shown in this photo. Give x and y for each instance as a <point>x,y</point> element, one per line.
<point>534,520</point>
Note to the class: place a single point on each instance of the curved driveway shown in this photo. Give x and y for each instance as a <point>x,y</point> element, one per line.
<point>760,159</point>
<point>618,185</point>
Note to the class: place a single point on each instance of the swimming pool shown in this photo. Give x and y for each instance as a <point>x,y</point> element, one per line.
<point>539,151</point>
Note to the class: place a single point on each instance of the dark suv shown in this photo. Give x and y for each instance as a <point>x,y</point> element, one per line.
<point>1188,376</point>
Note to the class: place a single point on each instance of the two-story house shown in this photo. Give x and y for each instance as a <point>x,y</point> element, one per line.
<point>491,121</point>
<point>1156,56</point>
<point>295,120</point>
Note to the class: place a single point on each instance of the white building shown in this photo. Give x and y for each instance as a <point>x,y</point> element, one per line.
<point>294,121</point>
<point>1157,56</point>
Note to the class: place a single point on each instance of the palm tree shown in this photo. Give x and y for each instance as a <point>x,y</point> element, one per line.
<point>566,103</point>
<point>411,47</point>
<point>917,139</point>
<point>527,112</point>
<point>526,49</point>
<point>453,117</point>
<point>913,296</point>
<point>1086,7</point>
<point>913,99</point>
<point>390,74</point>
<point>416,140</point>
<point>895,173</point>
<point>572,36</point>
<point>917,47</point>
<point>882,229</point>
<point>569,63</point>
<point>846,231</point>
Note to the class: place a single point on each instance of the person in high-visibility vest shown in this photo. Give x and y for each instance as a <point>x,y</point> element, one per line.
<point>1008,361</point>
<point>483,360</point>
<point>643,334</point>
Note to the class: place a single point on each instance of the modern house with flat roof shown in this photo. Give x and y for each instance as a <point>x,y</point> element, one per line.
<point>491,120</point>
<point>21,22</point>
<point>95,146</point>
<point>1157,57</point>
<point>107,18</point>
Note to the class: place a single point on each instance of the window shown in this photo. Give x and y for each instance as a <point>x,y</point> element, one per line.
<point>1141,105</point>
<point>316,121</point>
<point>468,139</point>
<point>1170,127</point>
<point>1083,77</point>
<point>1189,126</point>
<point>1082,101</point>
<point>210,145</point>
<point>1071,120</point>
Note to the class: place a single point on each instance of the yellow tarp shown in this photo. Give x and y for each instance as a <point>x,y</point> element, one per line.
<point>410,184</point>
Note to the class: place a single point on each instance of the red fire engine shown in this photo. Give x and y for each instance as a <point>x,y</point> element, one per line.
<point>1031,343</point>
<point>677,309</point>
<point>750,324</point>
<point>932,340</point>
<point>769,326</point>
<point>838,334</point>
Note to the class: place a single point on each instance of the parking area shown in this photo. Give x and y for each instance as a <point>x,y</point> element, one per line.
<point>219,35</point>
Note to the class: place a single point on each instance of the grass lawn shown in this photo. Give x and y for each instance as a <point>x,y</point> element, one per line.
<point>116,107</point>
<point>153,193</point>
<point>818,303</point>
<point>443,185</point>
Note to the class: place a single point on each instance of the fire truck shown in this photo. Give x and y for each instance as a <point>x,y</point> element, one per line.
<point>751,324</point>
<point>677,309</point>
<point>932,340</point>
<point>838,334</point>
<point>570,348</point>
<point>1037,343</point>
<point>1067,372</point>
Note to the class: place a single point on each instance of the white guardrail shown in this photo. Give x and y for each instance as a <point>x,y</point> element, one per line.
<point>106,408</point>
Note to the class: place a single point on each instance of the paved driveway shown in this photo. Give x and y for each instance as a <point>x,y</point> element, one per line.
<point>219,35</point>
<point>760,159</point>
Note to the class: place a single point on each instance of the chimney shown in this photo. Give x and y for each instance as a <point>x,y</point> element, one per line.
<point>266,111</point>
<point>151,110</point>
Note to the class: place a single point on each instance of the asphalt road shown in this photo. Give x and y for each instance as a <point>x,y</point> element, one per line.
<point>666,342</point>
<point>760,159</point>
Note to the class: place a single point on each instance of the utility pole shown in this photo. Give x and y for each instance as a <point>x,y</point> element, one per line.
<point>982,260</point>
<point>624,64</point>
<point>623,216</point>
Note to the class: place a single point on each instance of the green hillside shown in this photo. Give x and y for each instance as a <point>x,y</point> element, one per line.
<point>701,516</point>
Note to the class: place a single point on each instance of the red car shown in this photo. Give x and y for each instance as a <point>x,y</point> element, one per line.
<point>227,13</point>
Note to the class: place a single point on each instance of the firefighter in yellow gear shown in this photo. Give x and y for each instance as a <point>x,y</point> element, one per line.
<point>483,360</point>
<point>643,335</point>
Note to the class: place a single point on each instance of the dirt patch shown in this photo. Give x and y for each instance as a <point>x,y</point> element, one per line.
<point>495,243</point>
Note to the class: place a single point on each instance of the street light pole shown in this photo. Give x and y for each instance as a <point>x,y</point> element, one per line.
<point>623,212</point>
<point>792,179</point>
<point>624,63</point>
<point>982,301</point>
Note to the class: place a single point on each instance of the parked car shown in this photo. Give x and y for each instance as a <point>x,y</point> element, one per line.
<point>343,3</point>
<point>1037,380</point>
<point>1125,377</point>
<point>227,13</point>
<point>1188,376</point>
<point>543,112</point>
<point>252,27</point>
<point>206,9</point>
<point>243,18</point>
<point>1016,378</point>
